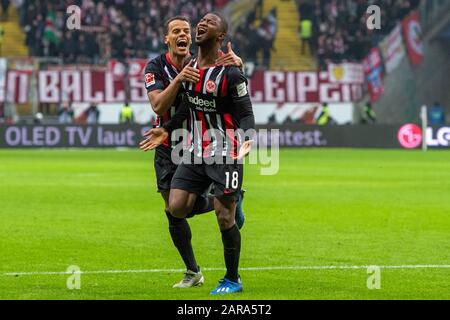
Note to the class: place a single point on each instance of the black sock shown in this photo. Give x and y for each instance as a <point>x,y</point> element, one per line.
<point>231,239</point>
<point>202,204</point>
<point>181,236</point>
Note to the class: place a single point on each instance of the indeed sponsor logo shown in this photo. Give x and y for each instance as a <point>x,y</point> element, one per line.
<point>202,102</point>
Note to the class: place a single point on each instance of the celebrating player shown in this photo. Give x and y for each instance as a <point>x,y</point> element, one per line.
<point>218,103</point>
<point>163,78</point>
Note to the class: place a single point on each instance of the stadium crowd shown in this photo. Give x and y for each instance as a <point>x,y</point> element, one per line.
<point>339,26</point>
<point>110,28</point>
<point>134,28</point>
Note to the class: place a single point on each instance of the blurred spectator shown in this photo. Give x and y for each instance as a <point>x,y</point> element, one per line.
<point>126,114</point>
<point>65,113</point>
<point>436,115</point>
<point>288,120</point>
<point>324,116</point>
<point>368,115</point>
<point>272,119</point>
<point>92,114</point>
<point>5,6</point>
<point>306,34</point>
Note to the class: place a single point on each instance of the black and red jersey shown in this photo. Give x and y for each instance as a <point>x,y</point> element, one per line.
<point>159,73</point>
<point>215,106</point>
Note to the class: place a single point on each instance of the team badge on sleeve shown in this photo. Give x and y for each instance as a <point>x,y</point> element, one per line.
<point>149,79</point>
<point>241,89</point>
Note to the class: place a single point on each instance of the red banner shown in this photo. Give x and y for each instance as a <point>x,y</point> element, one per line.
<point>373,69</point>
<point>108,86</point>
<point>413,38</point>
<point>300,87</point>
<point>87,86</point>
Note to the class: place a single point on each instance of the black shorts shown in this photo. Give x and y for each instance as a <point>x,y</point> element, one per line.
<point>195,178</point>
<point>164,169</point>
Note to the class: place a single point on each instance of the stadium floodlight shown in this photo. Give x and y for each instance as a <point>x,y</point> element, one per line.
<point>424,120</point>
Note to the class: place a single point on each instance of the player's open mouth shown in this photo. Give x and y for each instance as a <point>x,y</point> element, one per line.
<point>182,43</point>
<point>200,31</point>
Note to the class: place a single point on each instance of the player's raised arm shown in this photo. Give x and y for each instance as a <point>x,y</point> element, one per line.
<point>162,99</point>
<point>229,58</point>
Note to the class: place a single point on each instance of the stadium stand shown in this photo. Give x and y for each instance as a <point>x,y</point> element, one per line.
<point>13,43</point>
<point>340,33</point>
<point>134,27</point>
<point>267,33</point>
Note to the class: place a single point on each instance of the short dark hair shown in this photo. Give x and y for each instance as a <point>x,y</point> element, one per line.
<point>168,21</point>
<point>223,22</point>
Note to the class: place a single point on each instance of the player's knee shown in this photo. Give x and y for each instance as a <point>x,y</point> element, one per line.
<point>225,219</point>
<point>178,210</point>
<point>173,221</point>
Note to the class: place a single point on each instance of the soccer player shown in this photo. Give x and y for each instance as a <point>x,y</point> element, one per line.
<point>216,106</point>
<point>163,78</point>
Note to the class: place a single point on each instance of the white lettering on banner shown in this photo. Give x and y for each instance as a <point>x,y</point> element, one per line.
<point>112,95</point>
<point>70,85</point>
<point>87,89</point>
<point>17,87</point>
<point>291,86</point>
<point>48,86</point>
<point>99,86</point>
<point>306,82</point>
<point>137,90</point>
<point>330,93</point>
<point>271,84</point>
<point>346,94</point>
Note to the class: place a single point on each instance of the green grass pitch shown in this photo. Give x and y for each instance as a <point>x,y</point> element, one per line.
<point>99,210</point>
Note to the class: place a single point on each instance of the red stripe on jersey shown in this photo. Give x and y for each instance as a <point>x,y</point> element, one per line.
<point>170,61</point>
<point>229,126</point>
<point>224,86</point>
<point>198,85</point>
<point>206,141</point>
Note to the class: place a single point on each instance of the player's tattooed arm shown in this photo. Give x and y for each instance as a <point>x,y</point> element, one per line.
<point>162,100</point>
<point>230,58</point>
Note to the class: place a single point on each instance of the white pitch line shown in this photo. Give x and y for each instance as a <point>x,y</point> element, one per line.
<point>285,268</point>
